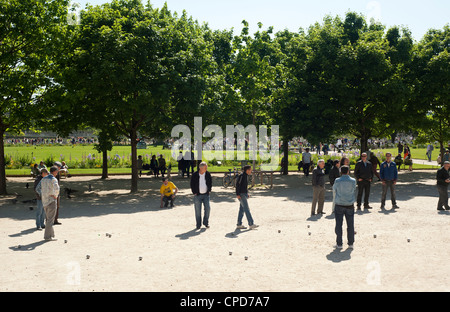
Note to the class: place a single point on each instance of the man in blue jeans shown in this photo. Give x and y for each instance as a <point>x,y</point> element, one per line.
<point>201,186</point>
<point>242,195</point>
<point>344,189</point>
<point>40,213</point>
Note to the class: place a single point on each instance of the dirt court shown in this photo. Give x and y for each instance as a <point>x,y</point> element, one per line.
<point>158,249</point>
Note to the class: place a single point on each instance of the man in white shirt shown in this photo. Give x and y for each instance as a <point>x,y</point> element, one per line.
<point>306,159</point>
<point>201,185</point>
<point>48,188</point>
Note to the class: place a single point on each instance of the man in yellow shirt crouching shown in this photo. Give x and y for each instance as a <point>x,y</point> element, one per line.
<point>168,192</point>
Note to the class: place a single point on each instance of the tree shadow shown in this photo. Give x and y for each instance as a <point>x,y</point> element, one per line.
<point>112,196</point>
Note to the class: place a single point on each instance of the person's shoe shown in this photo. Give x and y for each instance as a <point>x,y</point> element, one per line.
<point>241,227</point>
<point>395,207</point>
<point>447,208</point>
<point>358,208</point>
<point>322,212</point>
<point>337,246</point>
<point>51,239</point>
<point>350,246</point>
<point>441,209</point>
<point>253,226</point>
<point>57,223</point>
<point>382,207</point>
<point>367,207</point>
<point>207,226</point>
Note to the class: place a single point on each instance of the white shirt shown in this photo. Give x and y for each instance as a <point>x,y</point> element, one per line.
<point>48,187</point>
<point>306,158</point>
<point>203,188</point>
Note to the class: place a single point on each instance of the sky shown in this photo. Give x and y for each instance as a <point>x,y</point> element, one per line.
<point>417,15</point>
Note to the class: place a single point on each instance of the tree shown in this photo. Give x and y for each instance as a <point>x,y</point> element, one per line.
<point>431,70</point>
<point>137,68</point>
<point>31,31</point>
<point>352,79</point>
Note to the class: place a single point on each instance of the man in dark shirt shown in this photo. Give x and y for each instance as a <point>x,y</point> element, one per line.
<point>443,181</point>
<point>318,183</point>
<point>364,176</point>
<point>242,196</point>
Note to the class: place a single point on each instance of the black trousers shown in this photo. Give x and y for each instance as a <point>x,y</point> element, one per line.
<point>306,167</point>
<point>443,196</point>
<point>363,186</point>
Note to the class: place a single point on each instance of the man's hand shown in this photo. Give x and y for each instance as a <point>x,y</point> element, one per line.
<point>238,197</point>
<point>383,182</point>
<point>360,180</point>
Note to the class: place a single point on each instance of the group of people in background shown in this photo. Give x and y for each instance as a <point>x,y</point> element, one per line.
<point>155,167</point>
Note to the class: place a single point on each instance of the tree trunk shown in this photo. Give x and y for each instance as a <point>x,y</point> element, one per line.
<point>442,150</point>
<point>286,157</point>
<point>2,165</point>
<point>105,165</point>
<point>134,170</point>
<point>364,138</point>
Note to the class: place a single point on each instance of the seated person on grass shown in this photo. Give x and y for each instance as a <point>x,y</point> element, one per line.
<point>168,192</point>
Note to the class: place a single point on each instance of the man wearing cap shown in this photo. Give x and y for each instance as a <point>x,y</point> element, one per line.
<point>446,156</point>
<point>389,176</point>
<point>318,183</point>
<point>443,181</point>
<point>48,189</point>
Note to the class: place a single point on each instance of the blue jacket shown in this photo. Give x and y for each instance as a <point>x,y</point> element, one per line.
<point>344,190</point>
<point>388,171</point>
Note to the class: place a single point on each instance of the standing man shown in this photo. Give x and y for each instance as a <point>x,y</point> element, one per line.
<point>168,192</point>
<point>400,147</point>
<point>430,149</point>
<point>375,163</point>
<point>344,189</point>
<point>389,176</point>
<point>48,189</point>
<point>364,176</point>
<point>201,186</point>
<point>443,181</point>
<point>242,196</point>
<point>162,165</point>
<point>40,213</point>
<point>335,173</point>
<point>318,183</point>
<point>58,166</point>
<point>446,156</point>
<point>306,159</point>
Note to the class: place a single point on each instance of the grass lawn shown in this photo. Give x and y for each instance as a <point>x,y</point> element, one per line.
<point>77,152</point>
